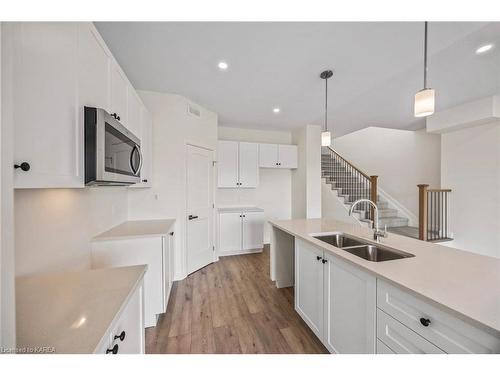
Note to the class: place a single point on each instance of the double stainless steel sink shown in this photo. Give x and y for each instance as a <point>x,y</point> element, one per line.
<point>373,252</point>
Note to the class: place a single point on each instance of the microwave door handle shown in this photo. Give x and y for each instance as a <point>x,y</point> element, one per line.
<point>140,161</point>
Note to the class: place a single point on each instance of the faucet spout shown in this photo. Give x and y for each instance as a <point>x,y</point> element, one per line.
<point>377,233</point>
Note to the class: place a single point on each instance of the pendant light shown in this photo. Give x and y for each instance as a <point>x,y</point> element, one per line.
<point>326,136</point>
<point>425,98</point>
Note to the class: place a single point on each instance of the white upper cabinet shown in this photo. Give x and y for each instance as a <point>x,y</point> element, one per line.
<point>248,165</point>
<point>134,105</point>
<point>41,96</point>
<point>277,156</point>
<point>119,94</point>
<point>227,164</point>
<point>51,71</point>
<point>268,155</point>
<point>287,156</point>
<point>238,164</point>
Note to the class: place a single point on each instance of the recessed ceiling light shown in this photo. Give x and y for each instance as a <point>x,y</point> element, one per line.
<point>276,110</point>
<point>484,48</point>
<point>222,65</point>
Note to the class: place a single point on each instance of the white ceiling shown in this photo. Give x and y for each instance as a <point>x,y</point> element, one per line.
<point>377,68</point>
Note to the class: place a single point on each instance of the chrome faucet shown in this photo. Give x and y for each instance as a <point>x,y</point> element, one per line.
<point>377,233</point>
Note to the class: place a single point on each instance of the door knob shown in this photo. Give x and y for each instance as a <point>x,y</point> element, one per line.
<point>121,336</point>
<point>113,350</point>
<point>191,217</point>
<point>425,322</point>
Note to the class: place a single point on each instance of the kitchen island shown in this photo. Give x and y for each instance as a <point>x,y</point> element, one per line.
<point>459,290</point>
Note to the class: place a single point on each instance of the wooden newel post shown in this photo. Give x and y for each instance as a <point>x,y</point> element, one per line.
<point>422,211</point>
<point>373,196</point>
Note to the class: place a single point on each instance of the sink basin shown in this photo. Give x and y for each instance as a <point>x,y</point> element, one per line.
<point>372,252</point>
<point>339,240</point>
<point>375,253</point>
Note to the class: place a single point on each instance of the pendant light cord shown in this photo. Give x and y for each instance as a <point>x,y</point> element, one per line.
<point>425,55</point>
<point>326,104</point>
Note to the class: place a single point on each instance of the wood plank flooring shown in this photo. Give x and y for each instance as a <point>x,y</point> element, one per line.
<point>231,306</point>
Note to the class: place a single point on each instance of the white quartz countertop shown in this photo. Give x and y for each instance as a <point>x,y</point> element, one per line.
<point>240,209</point>
<point>71,312</point>
<point>137,228</point>
<point>466,284</point>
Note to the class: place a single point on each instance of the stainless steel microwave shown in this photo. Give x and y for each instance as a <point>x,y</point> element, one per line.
<point>112,153</point>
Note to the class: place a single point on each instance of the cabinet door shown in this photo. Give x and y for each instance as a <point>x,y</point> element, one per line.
<point>130,252</point>
<point>253,230</point>
<point>268,155</point>
<point>229,231</point>
<point>227,164</point>
<point>119,94</point>
<point>309,285</point>
<point>287,156</point>
<point>134,107</point>
<point>349,308</point>
<point>146,150</point>
<point>42,93</point>
<point>248,165</point>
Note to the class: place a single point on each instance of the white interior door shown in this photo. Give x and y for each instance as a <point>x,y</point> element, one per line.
<point>199,228</point>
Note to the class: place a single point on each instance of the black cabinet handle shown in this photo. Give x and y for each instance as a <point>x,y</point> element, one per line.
<point>324,261</point>
<point>145,180</point>
<point>425,322</point>
<point>24,166</point>
<point>121,336</point>
<point>113,350</point>
<point>318,257</point>
<point>171,233</point>
<point>118,118</point>
<point>191,217</point>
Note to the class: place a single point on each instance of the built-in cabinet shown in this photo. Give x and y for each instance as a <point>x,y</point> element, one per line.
<point>351,311</point>
<point>126,334</point>
<point>277,156</point>
<point>240,231</point>
<point>45,90</point>
<point>335,299</point>
<point>238,164</point>
<point>156,252</point>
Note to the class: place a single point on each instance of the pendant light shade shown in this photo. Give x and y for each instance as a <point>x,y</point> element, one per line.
<point>326,136</point>
<point>326,139</point>
<point>425,98</point>
<point>424,103</point>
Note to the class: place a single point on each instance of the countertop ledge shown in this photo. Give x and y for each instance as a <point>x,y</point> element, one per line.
<point>71,312</point>
<point>240,209</point>
<point>465,284</point>
<point>137,229</point>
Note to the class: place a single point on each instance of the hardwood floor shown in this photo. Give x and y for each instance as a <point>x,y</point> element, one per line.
<point>231,306</point>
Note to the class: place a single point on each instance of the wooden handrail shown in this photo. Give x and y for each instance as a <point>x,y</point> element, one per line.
<point>348,162</point>
<point>439,190</point>
<point>422,212</point>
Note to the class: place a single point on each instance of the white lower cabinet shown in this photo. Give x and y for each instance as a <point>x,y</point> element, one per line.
<point>156,253</point>
<point>240,232</point>
<point>349,308</point>
<point>336,300</point>
<point>309,285</point>
<point>126,334</point>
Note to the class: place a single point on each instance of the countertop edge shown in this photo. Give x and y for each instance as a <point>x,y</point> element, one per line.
<point>473,321</point>
<point>104,237</point>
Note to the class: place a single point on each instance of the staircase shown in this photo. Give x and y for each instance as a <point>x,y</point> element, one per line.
<point>352,184</point>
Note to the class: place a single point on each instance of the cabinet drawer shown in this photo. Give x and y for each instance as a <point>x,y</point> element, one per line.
<point>401,339</point>
<point>444,330</point>
<point>383,349</point>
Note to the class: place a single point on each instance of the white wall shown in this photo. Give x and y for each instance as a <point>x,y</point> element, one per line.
<point>274,193</point>
<point>306,179</point>
<point>7,287</point>
<point>470,166</point>
<point>54,227</point>
<point>173,128</point>
<point>401,158</point>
